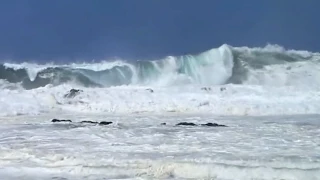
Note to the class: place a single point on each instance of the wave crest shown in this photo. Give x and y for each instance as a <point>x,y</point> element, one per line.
<point>271,65</point>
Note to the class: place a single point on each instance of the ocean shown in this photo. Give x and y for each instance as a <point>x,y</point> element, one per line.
<point>268,99</point>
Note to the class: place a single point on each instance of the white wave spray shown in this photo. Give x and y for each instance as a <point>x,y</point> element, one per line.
<point>256,81</point>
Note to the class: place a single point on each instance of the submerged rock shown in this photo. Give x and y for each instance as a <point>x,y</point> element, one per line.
<point>72,93</point>
<point>89,122</point>
<point>61,120</point>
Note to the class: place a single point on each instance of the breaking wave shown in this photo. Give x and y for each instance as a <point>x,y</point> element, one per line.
<point>271,65</point>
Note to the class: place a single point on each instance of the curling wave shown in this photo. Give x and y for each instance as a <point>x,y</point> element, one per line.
<point>271,65</point>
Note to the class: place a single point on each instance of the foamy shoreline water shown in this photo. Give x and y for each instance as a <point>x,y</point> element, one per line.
<point>138,147</point>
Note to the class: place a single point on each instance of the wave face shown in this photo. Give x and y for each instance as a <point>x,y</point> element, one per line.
<point>271,65</point>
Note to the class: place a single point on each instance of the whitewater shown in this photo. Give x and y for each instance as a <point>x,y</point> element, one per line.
<point>268,97</point>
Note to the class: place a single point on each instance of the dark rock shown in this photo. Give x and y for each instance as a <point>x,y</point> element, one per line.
<point>61,120</point>
<point>104,123</point>
<point>89,122</point>
<point>150,90</point>
<point>213,125</point>
<point>163,124</point>
<point>186,124</point>
<point>72,93</point>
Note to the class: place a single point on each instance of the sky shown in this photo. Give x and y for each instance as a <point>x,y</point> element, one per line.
<point>69,30</point>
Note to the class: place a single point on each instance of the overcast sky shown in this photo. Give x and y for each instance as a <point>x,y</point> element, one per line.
<point>46,30</point>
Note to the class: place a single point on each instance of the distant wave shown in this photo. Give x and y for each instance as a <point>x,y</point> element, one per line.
<point>226,64</point>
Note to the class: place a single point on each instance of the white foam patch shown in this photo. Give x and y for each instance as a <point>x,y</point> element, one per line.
<point>303,74</point>
<point>235,100</point>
